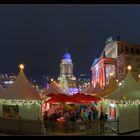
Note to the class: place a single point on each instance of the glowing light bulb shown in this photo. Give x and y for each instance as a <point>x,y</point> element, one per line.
<point>129,67</point>
<point>21,66</point>
<point>111,74</point>
<point>51,80</point>
<point>120,84</point>
<point>139,75</point>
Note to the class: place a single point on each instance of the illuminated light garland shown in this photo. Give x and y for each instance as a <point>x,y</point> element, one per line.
<point>123,102</point>
<point>20,102</point>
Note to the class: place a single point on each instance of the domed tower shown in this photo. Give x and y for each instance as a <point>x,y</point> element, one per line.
<point>66,66</point>
<point>66,70</point>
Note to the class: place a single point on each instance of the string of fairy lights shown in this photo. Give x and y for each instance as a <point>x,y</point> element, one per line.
<point>28,103</point>
<point>125,102</point>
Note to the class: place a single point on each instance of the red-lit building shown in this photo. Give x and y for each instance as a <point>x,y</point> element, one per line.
<point>101,70</point>
<point>115,58</point>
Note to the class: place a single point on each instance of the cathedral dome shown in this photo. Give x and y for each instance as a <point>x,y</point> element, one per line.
<point>66,56</point>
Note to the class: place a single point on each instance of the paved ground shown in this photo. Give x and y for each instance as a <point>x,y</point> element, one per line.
<point>133,134</point>
<point>105,134</point>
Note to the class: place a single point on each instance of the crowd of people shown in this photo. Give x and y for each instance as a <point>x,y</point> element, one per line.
<point>80,114</point>
<point>83,113</point>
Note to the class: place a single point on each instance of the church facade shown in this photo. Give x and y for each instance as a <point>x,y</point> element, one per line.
<point>66,79</point>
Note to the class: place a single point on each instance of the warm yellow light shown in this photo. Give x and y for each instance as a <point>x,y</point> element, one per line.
<point>124,97</point>
<point>21,66</point>
<point>129,67</point>
<point>51,80</point>
<point>120,84</point>
<point>111,74</point>
<point>139,75</point>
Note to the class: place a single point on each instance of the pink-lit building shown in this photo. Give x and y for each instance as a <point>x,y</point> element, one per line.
<point>115,58</point>
<point>101,70</point>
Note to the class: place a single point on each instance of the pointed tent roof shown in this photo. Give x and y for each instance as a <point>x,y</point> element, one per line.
<point>95,90</point>
<point>54,88</point>
<point>87,88</point>
<point>98,88</point>
<point>21,89</point>
<point>112,85</point>
<point>92,89</point>
<point>129,90</point>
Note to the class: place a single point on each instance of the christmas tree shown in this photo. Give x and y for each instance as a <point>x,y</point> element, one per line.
<point>63,83</point>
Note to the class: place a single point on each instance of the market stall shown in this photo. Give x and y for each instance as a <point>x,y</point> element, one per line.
<point>20,106</point>
<point>53,89</point>
<point>87,88</point>
<point>112,85</point>
<point>91,90</point>
<point>97,89</point>
<point>126,102</point>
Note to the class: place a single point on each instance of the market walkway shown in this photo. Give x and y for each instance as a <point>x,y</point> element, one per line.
<point>105,134</point>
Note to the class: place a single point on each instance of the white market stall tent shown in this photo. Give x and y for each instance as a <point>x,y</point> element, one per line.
<point>87,88</point>
<point>97,89</point>
<point>129,90</point>
<point>91,90</point>
<point>111,86</point>
<point>20,107</point>
<point>53,89</point>
<point>126,102</point>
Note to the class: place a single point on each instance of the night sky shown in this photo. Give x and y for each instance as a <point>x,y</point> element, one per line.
<point>37,35</point>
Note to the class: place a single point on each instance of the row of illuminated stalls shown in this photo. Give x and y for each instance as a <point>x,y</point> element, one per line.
<point>123,105</point>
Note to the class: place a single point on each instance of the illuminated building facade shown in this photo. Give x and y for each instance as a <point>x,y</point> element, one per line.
<point>66,66</point>
<point>115,58</point>
<point>101,70</point>
<point>66,72</point>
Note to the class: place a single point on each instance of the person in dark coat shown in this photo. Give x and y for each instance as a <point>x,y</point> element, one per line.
<point>102,121</point>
